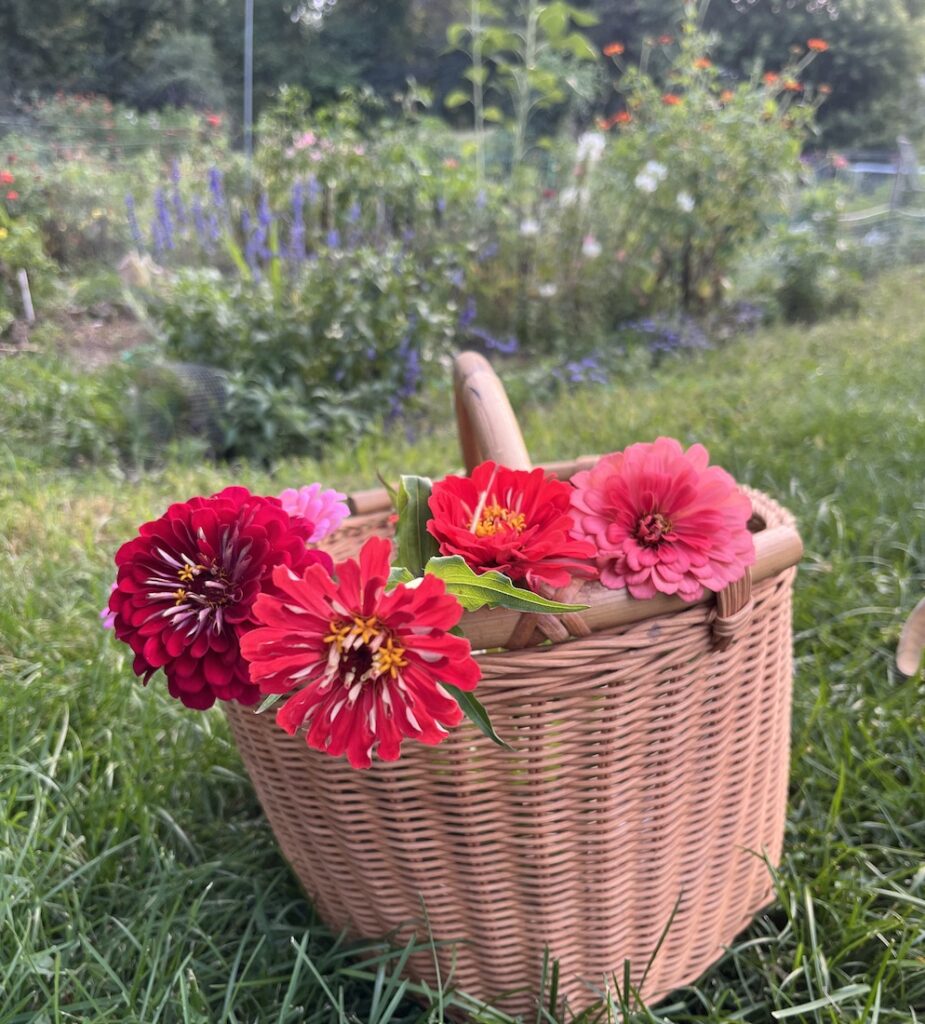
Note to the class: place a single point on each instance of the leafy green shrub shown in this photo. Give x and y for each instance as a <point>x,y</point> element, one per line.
<point>20,249</point>
<point>340,348</point>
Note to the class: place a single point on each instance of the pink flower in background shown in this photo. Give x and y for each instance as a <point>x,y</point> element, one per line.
<point>326,509</point>
<point>663,520</point>
<point>107,616</point>
<point>305,141</point>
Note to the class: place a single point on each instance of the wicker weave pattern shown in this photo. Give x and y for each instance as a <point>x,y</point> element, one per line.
<point>650,767</point>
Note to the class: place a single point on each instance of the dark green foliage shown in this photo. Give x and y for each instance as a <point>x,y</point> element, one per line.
<point>181,71</point>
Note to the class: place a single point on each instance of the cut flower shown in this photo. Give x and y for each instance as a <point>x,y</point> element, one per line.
<point>516,522</point>
<point>186,587</point>
<point>664,521</point>
<point>368,664</point>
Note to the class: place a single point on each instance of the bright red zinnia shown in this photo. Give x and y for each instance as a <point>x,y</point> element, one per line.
<point>664,521</point>
<point>369,663</point>
<point>514,521</point>
<point>186,587</point>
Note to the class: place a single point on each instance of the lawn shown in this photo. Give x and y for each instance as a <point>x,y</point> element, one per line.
<point>139,881</point>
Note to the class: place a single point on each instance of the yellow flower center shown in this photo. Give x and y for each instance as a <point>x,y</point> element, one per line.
<point>366,648</point>
<point>496,517</point>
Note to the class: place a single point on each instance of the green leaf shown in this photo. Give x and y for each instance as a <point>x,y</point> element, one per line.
<point>398,574</point>
<point>269,701</point>
<point>415,545</point>
<point>473,709</point>
<point>584,19</point>
<point>476,74</point>
<point>455,99</point>
<point>237,257</point>
<point>578,46</point>
<point>474,590</point>
<point>554,20</point>
<point>495,114</point>
<point>455,33</point>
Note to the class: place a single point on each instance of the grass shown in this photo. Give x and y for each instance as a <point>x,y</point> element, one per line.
<point>139,882</point>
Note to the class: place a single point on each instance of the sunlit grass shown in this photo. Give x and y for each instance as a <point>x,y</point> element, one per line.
<point>139,882</point>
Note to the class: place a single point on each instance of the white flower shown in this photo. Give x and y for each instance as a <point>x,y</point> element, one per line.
<point>547,290</point>
<point>529,227</point>
<point>568,196</point>
<point>646,182</point>
<point>686,202</point>
<point>590,247</point>
<point>591,147</point>
<point>657,170</point>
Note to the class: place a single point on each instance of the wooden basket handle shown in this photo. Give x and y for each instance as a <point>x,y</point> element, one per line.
<point>488,429</point>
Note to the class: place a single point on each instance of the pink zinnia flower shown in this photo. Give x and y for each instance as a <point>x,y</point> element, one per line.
<point>326,509</point>
<point>369,663</point>
<point>663,520</point>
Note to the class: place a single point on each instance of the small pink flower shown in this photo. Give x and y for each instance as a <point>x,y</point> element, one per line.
<point>326,509</point>
<point>107,616</point>
<point>305,141</point>
<point>663,520</point>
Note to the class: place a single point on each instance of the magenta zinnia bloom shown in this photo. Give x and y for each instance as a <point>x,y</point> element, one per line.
<point>186,587</point>
<point>367,664</point>
<point>663,520</point>
<point>325,509</point>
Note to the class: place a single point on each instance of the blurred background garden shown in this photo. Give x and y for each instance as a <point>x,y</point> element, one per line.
<point>242,242</point>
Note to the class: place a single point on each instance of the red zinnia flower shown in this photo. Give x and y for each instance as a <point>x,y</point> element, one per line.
<point>370,663</point>
<point>817,45</point>
<point>12,194</point>
<point>214,119</point>
<point>513,521</point>
<point>792,85</point>
<point>663,521</point>
<point>623,117</point>
<point>613,49</point>
<point>671,100</point>
<point>7,178</point>
<point>187,584</point>
<point>770,78</point>
<point>703,63</point>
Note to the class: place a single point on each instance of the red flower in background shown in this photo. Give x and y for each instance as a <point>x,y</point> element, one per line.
<point>663,521</point>
<point>770,78</point>
<point>186,587</point>
<point>367,664</point>
<point>614,49</point>
<point>817,45</point>
<point>703,63</point>
<point>214,119</point>
<point>671,100</point>
<point>7,178</point>
<point>12,194</point>
<point>665,40</point>
<point>514,521</point>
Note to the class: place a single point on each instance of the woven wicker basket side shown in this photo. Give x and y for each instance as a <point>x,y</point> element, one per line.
<point>649,773</point>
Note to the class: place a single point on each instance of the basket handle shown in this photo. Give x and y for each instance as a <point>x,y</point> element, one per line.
<point>488,429</point>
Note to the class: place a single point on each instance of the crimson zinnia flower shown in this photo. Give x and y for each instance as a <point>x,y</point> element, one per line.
<point>369,663</point>
<point>186,587</point>
<point>664,521</point>
<point>514,521</point>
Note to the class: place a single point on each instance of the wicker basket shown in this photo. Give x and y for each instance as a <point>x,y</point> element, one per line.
<point>649,778</point>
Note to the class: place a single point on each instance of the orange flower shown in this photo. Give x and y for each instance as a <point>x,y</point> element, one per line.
<point>665,40</point>
<point>792,85</point>
<point>726,96</point>
<point>603,123</point>
<point>702,63</point>
<point>770,78</point>
<point>817,45</point>
<point>671,100</point>
<point>613,49</point>
<point>624,117</point>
